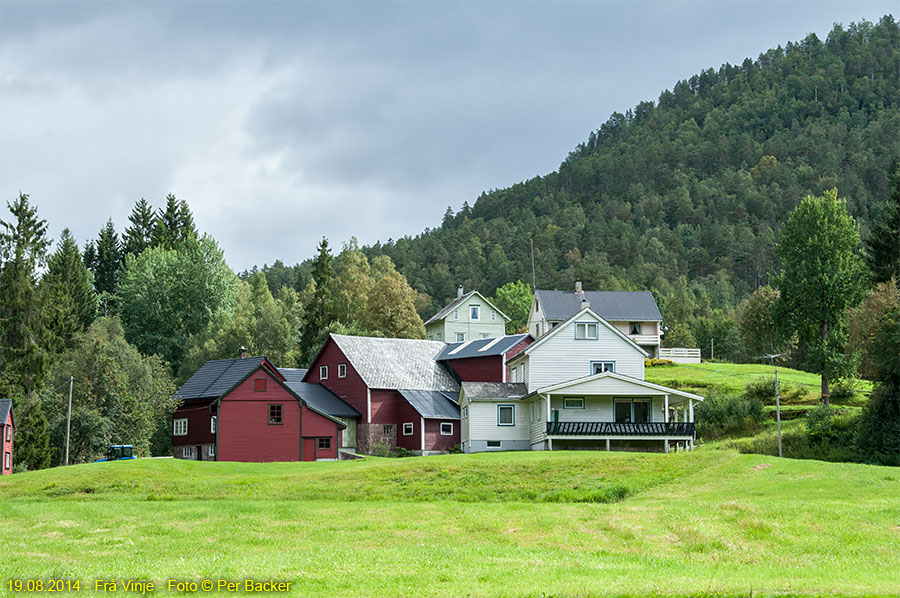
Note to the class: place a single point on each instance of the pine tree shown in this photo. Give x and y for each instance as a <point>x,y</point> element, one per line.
<point>174,224</point>
<point>67,293</point>
<point>89,256</point>
<point>139,236</point>
<point>318,309</point>
<point>33,436</point>
<point>23,249</point>
<point>108,261</point>
<point>883,246</point>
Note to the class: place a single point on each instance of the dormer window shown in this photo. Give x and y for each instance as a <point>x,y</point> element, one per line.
<point>586,331</point>
<point>635,328</point>
<point>475,312</point>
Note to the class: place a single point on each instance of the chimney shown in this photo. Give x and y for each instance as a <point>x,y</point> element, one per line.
<point>585,302</point>
<point>578,290</point>
<point>242,353</point>
<point>459,292</point>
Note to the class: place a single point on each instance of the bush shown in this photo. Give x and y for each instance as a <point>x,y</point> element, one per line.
<point>381,449</point>
<point>878,433</point>
<point>844,388</point>
<point>720,414</point>
<point>653,361</point>
<point>764,390</point>
<point>456,449</point>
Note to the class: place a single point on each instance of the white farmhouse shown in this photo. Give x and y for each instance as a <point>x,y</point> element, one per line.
<point>579,386</point>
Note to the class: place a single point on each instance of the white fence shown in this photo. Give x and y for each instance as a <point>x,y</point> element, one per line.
<point>680,354</point>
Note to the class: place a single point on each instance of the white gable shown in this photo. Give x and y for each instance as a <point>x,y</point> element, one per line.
<point>615,384</point>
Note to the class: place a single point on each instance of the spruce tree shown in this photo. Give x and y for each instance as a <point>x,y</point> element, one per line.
<point>318,310</point>
<point>108,261</point>
<point>67,293</point>
<point>883,245</point>
<point>139,236</point>
<point>174,224</point>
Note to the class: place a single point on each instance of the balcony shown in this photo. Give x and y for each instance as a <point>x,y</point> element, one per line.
<point>616,429</point>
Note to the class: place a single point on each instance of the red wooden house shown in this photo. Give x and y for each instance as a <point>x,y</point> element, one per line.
<point>6,436</point>
<point>483,359</point>
<point>245,410</point>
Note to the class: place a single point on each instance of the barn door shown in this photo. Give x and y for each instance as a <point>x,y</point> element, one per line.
<point>309,449</point>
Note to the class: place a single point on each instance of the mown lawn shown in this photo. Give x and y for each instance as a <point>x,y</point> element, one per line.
<point>734,377</point>
<point>515,524</point>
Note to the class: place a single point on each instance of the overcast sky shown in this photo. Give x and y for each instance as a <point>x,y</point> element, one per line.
<point>281,122</point>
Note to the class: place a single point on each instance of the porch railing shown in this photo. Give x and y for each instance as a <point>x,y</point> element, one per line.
<point>617,429</point>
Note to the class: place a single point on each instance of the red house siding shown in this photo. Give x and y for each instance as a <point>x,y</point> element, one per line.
<point>350,388</point>
<point>434,440</point>
<point>244,430</point>
<point>7,446</point>
<point>317,426</point>
<point>519,347</point>
<point>198,414</point>
<point>478,369</point>
<point>389,407</point>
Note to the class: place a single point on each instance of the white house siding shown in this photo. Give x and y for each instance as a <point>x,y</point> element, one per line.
<point>596,409</point>
<point>560,357</point>
<point>463,424</point>
<point>536,317</point>
<point>445,330</point>
<point>482,426</point>
<point>538,425</point>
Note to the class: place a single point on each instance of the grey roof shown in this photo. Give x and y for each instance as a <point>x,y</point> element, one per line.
<point>617,306</point>
<point>446,310</point>
<point>217,377</point>
<point>317,396</point>
<point>5,407</point>
<point>482,347</point>
<point>396,362</point>
<point>494,390</point>
<point>431,404</point>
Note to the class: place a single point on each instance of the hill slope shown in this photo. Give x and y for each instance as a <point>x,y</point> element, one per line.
<point>692,187</point>
<point>699,524</point>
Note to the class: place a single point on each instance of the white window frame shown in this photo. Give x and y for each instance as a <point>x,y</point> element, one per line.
<point>408,428</point>
<point>485,334</point>
<point>460,337</point>
<point>212,450</point>
<point>512,409</point>
<point>498,444</point>
<point>605,366</point>
<point>180,427</point>
<point>448,433</point>
<point>475,313</point>
<point>587,326</point>
<point>323,372</point>
<point>7,456</point>
<point>577,402</point>
<point>213,424</point>
<point>8,433</point>
<point>187,452</point>
<point>342,370</point>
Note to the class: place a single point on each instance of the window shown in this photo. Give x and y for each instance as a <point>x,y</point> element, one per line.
<point>275,414</point>
<point>211,451</point>
<point>474,312</point>
<point>179,427</point>
<point>187,452</point>
<point>485,335</point>
<point>259,385</point>
<point>408,429</point>
<point>455,314</point>
<point>324,444</point>
<point>446,429</point>
<point>506,415</point>
<point>598,367</point>
<point>553,325</point>
<point>8,433</point>
<point>635,328</point>
<point>573,403</point>
<point>493,315</point>
<point>387,430</point>
<point>623,412</point>
<point>585,330</point>
<point>514,374</point>
<point>342,370</point>
<point>460,337</point>
<point>538,329</point>
<point>7,457</point>
<point>641,410</point>
<point>212,424</point>
<point>323,372</point>
<point>632,411</point>
<point>493,444</point>
<point>465,412</point>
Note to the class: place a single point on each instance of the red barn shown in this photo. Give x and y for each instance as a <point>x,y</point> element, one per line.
<point>483,359</point>
<point>405,398</point>
<point>6,436</point>
<point>245,409</point>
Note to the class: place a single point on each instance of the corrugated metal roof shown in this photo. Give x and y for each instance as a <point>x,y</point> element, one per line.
<point>5,406</point>
<point>431,404</point>
<point>494,390</point>
<point>317,396</point>
<point>482,347</point>
<point>396,362</point>
<point>619,306</point>
<point>217,377</point>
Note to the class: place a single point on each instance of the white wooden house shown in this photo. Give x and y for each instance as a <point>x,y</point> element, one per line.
<point>580,386</point>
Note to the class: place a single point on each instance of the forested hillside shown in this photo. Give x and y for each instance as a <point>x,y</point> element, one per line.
<point>685,195</point>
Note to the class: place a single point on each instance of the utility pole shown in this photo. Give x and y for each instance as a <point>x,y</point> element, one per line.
<point>712,350</point>
<point>69,418</point>
<point>778,411</point>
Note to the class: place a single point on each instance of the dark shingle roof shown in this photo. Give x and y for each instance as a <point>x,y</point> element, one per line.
<point>217,377</point>
<point>494,390</point>
<point>431,404</point>
<point>317,396</point>
<point>396,362</point>
<point>5,406</point>
<point>482,347</point>
<point>617,306</point>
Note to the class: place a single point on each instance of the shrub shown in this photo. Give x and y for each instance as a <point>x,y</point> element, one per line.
<point>878,433</point>
<point>653,361</point>
<point>844,388</point>
<point>763,390</point>
<point>381,449</point>
<point>402,452</point>
<point>721,413</point>
<point>456,449</point>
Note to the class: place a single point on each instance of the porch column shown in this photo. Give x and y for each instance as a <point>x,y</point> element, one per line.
<point>666,445</point>
<point>607,445</point>
<point>548,406</point>
<point>666,408</point>
<point>691,410</point>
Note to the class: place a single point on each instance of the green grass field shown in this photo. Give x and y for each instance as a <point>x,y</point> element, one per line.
<point>734,377</point>
<point>706,523</point>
